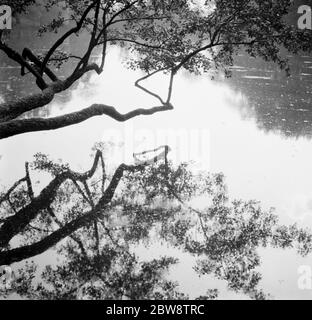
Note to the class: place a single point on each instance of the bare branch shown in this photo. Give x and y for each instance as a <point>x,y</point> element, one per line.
<point>15,127</point>
<point>137,84</point>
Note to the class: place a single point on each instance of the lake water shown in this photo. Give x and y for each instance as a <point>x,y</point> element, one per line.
<point>256,128</point>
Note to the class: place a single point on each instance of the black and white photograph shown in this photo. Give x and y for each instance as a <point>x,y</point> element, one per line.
<point>155,150</point>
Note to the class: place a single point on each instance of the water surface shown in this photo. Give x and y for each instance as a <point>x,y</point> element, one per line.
<point>255,128</point>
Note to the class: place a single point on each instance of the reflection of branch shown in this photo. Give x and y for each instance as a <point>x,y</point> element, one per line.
<point>171,190</point>
<point>96,230</point>
<point>29,183</point>
<point>21,220</point>
<point>60,225</point>
<point>39,229</point>
<point>81,192</point>
<point>24,216</point>
<point>115,242</point>
<point>162,155</point>
<point>103,174</point>
<point>97,237</point>
<point>199,213</point>
<point>6,196</point>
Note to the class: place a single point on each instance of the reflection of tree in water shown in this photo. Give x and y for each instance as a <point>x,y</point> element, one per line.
<point>277,102</point>
<point>152,206</point>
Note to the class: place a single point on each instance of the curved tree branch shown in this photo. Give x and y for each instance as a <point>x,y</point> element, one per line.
<point>23,217</point>
<point>11,110</point>
<point>15,127</point>
<point>19,254</point>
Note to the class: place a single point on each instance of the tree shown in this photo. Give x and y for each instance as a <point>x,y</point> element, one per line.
<point>159,36</point>
<point>26,207</point>
<point>96,235</point>
<point>78,208</point>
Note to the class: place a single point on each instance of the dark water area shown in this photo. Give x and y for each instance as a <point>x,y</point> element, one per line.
<point>25,35</point>
<point>277,102</point>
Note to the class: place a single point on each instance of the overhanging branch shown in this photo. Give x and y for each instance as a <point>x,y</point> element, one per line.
<point>15,127</point>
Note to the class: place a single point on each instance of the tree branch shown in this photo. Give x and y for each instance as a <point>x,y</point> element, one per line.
<point>15,127</point>
<point>73,237</point>
<point>28,54</point>
<point>23,63</point>
<point>65,36</point>
<point>19,254</point>
<point>23,217</point>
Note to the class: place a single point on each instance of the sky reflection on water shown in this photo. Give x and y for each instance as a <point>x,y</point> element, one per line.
<point>223,122</point>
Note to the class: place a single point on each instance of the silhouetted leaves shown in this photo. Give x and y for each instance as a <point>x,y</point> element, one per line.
<point>152,207</point>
